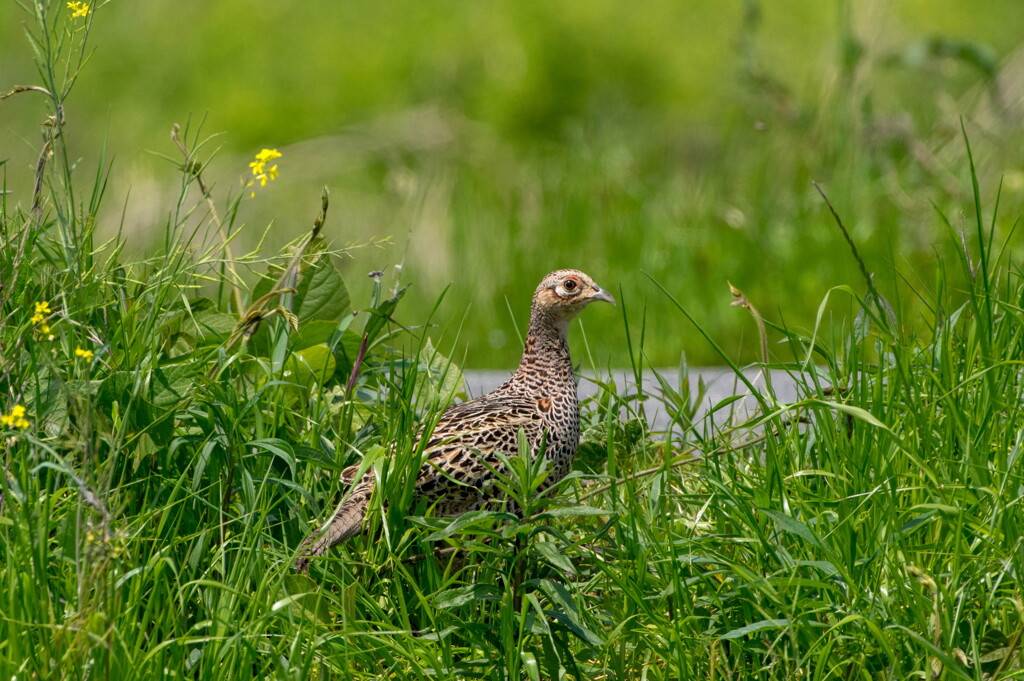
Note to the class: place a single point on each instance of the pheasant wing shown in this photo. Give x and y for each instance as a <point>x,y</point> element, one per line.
<point>462,449</point>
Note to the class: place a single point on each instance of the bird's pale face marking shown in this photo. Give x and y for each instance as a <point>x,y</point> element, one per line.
<point>570,290</point>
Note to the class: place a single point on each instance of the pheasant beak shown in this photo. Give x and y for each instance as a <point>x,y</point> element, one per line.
<point>600,294</point>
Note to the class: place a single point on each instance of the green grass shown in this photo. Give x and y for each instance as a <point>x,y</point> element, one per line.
<point>152,504</point>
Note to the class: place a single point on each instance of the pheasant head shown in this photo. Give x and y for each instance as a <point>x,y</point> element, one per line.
<point>562,295</point>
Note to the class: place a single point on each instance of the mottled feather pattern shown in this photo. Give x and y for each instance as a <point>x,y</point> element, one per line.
<point>461,455</point>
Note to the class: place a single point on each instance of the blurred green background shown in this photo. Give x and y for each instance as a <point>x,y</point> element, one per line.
<point>494,142</point>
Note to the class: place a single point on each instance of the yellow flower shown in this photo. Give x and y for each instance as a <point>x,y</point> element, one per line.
<point>39,318</point>
<point>16,419</point>
<point>42,309</point>
<point>79,9</point>
<point>261,173</point>
<point>268,155</point>
<point>265,156</point>
<point>85,354</point>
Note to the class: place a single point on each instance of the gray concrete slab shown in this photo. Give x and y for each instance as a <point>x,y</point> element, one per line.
<point>720,385</point>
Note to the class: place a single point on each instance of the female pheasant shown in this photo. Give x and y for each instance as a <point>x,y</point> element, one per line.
<point>539,398</point>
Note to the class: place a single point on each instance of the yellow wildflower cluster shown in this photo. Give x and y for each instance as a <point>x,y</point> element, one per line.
<point>260,171</point>
<point>79,9</point>
<point>39,318</point>
<point>84,354</point>
<point>16,419</point>
<point>42,309</point>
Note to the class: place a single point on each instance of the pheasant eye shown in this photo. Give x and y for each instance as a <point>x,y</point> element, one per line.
<point>570,285</point>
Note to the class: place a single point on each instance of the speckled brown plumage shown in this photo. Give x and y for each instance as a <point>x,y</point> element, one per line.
<point>539,398</point>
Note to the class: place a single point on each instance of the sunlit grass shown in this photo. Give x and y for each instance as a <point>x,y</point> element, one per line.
<point>170,433</point>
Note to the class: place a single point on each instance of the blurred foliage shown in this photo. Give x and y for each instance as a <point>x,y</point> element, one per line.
<point>495,142</point>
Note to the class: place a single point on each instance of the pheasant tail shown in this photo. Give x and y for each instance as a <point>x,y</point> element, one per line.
<point>346,523</point>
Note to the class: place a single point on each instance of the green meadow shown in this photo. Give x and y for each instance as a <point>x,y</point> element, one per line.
<point>191,348</point>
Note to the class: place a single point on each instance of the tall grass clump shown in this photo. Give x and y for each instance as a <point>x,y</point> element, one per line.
<point>868,529</point>
<point>167,422</point>
<point>171,428</point>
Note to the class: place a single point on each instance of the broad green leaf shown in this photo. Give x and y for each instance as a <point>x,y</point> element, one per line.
<point>313,333</point>
<point>322,458</point>
<point>828,568</point>
<point>320,293</point>
<point>207,325</point>
<point>156,421</point>
<point>569,614</point>
<point>303,592</point>
<point>756,626</point>
<point>942,508</point>
<point>856,412</point>
<point>792,525</point>
<point>453,598</point>
<point>581,632</point>
<point>816,472</point>
<point>312,365</point>
<point>566,511</point>
<point>278,447</point>
<point>170,384</point>
<point>460,522</point>
<point>115,388</point>
<point>551,552</point>
<point>81,389</point>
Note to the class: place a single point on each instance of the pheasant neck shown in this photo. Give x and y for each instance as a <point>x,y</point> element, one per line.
<point>546,353</point>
